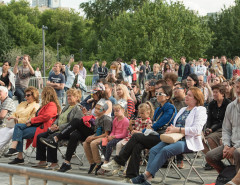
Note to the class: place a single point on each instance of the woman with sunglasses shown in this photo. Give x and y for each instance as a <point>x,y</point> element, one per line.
<point>43,119</point>
<point>25,111</point>
<point>189,121</point>
<point>163,117</point>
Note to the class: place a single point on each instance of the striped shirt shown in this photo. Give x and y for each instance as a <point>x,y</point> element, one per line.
<point>131,108</point>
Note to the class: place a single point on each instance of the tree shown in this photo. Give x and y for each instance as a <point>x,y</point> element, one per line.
<point>226,28</point>
<point>156,31</point>
<point>5,39</point>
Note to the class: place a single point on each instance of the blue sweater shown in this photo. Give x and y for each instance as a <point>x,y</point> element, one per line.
<point>167,112</point>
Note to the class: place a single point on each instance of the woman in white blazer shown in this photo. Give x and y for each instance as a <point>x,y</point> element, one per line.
<point>189,121</point>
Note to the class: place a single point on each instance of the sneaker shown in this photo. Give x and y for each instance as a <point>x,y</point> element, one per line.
<point>11,152</point>
<point>65,167</point>
<point>49,142</point>
<point>180,164</point>
<point>98,167</point>
<point>17,161</point>
<point>54,168</point>
<point>138,180</point>
<point>113,165</point>
<point>208,167</point>
<point>92,167</point>
<point>42,165</point>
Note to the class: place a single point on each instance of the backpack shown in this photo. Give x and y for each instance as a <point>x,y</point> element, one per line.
<point>128,70</point>
<point>226,175</point>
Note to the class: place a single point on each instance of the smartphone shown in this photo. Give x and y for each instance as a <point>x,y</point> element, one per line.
<point>72,55</point>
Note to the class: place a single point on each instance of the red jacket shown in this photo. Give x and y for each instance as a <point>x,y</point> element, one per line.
<point>46,115</point>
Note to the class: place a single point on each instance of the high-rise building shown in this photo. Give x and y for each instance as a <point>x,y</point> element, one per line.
<point>47,3</point>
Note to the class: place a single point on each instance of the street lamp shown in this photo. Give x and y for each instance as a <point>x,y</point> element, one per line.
<point>81,50</point>
<point>58,44</point>
<point>43,37</point>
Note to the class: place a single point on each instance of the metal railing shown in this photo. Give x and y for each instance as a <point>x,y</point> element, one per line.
<point>34,81</point>
<point>46,176</point>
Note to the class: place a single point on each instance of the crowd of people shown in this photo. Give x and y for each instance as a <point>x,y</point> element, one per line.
<point>128,108</point>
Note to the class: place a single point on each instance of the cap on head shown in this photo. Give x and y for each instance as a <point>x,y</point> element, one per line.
<point>103,104</point>
<point>122,103</point>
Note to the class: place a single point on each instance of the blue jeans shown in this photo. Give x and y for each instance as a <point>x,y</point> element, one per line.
<point>19,92</point>
<point>21,131</point>
<point>160,153</point>
<point>95,79</point>
<point>10,94</point>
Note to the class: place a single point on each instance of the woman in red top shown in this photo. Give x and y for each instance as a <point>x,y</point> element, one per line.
<point>45,116</point>
<point>133,65</point>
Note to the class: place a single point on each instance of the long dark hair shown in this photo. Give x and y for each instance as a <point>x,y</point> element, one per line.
<point>195,79</point>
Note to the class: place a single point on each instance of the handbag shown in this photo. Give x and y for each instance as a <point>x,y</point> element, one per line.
<point>10,123</point>
<point>171,137</point>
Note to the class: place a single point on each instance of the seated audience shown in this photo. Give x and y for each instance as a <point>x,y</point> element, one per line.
<point>44,118</point>
<point>71,111</point>
<point>25,111</point>
<point>163,117</point>
<point>155,74</point>
<point>230,136</point>
<point>189,121</point>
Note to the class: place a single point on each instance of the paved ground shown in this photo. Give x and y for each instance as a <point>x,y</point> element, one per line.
<point>208,176</point>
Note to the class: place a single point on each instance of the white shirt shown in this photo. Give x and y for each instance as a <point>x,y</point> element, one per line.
<point>200,70</point>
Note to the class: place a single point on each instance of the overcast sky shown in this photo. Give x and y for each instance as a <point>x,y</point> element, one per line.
<point>202,6</point>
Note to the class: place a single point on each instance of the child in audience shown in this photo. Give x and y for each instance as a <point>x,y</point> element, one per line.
<point>119,129</point>
<point>103,128</point>
<point>145,113</point>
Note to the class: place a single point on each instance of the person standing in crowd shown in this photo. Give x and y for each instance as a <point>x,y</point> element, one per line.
<point>57,81</point>
<point>7,105</point>
<point>148,67</point>
<point>184,69</point>
<point>166,69</point>
<point>103,70</point>
<point>7,78</point>
<point>142,74</point>
<point>94,70</point>
<point>230,136</point>
<point>206,90</point>
<point>82,70</point>
<point>23,74</point>
<point>38,75</point>
<point>200,69</point>
<point>133,65</point>
<point>156,73</point>
<point>227,68</point>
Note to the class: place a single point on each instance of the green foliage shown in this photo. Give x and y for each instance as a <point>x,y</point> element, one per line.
<point>5,39</point>
<point>156,31</point>
<point>11,55</point>
<point>226,28</point>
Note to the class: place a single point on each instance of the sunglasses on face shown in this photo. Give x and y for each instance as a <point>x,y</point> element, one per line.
<point>160,94</point>
<point>28,95</point>
<point>133,86</point>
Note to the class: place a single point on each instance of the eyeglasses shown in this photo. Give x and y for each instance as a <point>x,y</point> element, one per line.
<point>160,94</point>
<point>28,95</point>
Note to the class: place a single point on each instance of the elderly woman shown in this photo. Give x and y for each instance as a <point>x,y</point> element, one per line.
<point>189,121</point>
<point>163,117</point>
<point>43,119</point>
<point>123,93</point>
<point>25,111</point>
<point>70,112</point>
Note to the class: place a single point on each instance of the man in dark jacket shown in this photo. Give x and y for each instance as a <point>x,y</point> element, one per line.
<point>184,69</point>
<point>227,68</point>
<point>103,70</point>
